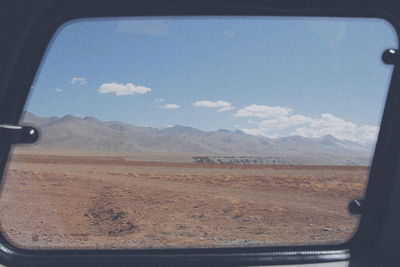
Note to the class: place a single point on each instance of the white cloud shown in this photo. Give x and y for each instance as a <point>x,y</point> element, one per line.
<point>170,106</point>
<point>229,33</point>
<point>143,27</point>
<point>221,106</point>
<point>263,111</point>
<point>78,80</point>
<point>282,122</point>
<point>328,124</point>
<point>120,89</point>
<point>159,100</point>
<point>58,89</point>
<point>329,121</point>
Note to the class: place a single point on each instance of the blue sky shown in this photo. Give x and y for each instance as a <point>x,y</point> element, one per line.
<point>266,76</point>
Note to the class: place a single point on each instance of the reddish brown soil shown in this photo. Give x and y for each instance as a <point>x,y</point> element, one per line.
<point>53,201</point>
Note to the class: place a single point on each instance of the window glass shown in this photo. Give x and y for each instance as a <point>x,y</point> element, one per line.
<point>198,132</point>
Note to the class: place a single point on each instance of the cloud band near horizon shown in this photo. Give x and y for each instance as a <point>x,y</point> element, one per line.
<point>276,119</point>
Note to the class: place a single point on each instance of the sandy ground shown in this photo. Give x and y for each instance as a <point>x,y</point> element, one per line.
<point>56,201</point>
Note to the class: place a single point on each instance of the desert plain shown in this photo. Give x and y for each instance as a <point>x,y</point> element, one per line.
<point>69,200</point>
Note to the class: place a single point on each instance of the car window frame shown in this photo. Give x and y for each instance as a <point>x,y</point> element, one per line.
<point>42,21</point>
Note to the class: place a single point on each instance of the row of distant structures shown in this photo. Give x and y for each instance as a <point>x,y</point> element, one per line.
<point>242,160</point>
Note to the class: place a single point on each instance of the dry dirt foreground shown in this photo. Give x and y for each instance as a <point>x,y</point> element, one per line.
<point>54,201</point>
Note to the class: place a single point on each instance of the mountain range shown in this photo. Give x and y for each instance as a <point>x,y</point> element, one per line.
<point>90,134</point>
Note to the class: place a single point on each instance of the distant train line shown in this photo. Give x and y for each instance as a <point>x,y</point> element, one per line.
<point>243,160</point>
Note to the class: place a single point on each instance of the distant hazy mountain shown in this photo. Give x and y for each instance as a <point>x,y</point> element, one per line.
<point>91,134</point>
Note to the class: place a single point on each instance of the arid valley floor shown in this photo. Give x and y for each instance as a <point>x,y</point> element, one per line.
<point>70,201</point>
